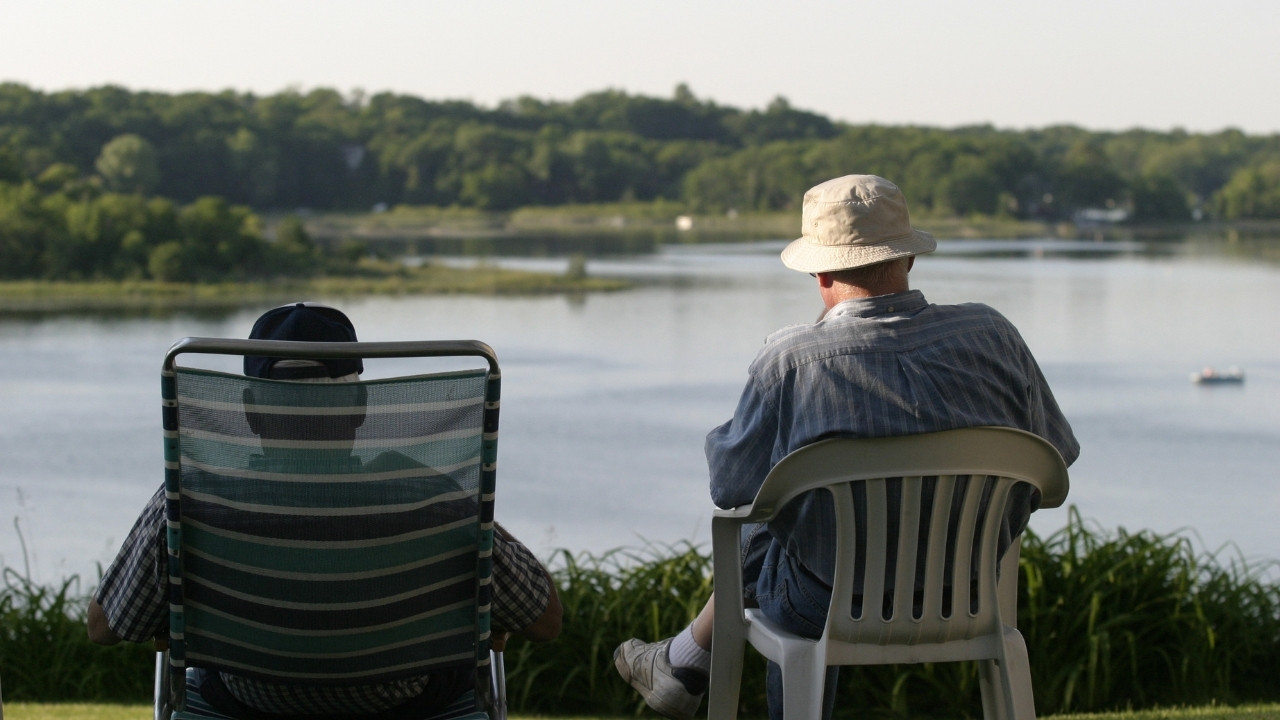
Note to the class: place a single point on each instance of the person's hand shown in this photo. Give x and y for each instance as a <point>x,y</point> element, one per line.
<point>498,641</point>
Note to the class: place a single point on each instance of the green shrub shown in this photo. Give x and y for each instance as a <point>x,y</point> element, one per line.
<point>46,653</point>
<point>1112,621</point>
<point>650,594</point>
<point>1142,620</point>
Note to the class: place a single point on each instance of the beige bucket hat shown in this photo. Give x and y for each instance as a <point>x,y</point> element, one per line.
<point>853,221</point>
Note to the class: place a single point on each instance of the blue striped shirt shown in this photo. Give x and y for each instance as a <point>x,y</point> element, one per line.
<point>876,367</point>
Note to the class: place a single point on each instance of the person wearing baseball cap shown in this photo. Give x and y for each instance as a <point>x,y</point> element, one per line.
<point>308,322</point>
<point>880,361</point>
<point>130,602</point>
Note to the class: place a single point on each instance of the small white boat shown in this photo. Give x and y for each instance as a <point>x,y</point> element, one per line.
<point>1210,376</point>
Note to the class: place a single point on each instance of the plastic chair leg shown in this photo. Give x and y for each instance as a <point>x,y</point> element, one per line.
<point>994,704</point>
<point>1006,682</point>
<point>725,686</point>
<point>804,676</point>
<point>1017,674</point>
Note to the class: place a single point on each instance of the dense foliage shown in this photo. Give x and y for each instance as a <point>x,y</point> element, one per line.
<point>1112,621</point>
<point>74,231</point>
<point>324,150</point>
<point>45,651</point>
<point>110,184</point>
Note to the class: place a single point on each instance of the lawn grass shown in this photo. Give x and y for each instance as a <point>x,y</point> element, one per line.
<point>75,711</point>
<point>1212,712</point>
<point>84,711</point>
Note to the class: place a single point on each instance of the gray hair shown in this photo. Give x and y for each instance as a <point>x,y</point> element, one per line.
<point>874,275</point>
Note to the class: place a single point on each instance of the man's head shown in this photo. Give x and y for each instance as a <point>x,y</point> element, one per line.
<point>307,322</point>
<point>852,222</point>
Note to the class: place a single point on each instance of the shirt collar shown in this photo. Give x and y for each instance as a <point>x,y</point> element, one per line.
<point>908,301</point>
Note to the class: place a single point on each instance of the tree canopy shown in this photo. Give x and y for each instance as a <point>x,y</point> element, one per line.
<point>108,182</point>
<point>328,151</point>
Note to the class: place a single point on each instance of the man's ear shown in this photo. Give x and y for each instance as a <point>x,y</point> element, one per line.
<point>254,419</point>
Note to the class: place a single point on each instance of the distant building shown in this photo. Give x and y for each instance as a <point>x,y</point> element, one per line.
<point>1100,216</point>
<point>353,155</point>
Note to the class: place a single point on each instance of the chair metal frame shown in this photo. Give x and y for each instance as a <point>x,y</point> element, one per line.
<point>985,632</point>
<point>169,694</point>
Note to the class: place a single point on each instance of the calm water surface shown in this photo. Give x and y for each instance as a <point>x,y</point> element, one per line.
<point>607,398</point>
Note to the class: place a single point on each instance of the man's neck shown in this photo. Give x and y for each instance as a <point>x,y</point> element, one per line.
<point>839,292</point>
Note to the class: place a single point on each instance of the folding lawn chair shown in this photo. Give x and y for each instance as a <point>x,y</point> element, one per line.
<point>330,533</point>
<point>939,498</point>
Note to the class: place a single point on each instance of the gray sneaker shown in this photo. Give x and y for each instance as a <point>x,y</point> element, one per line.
<point>646,667</point>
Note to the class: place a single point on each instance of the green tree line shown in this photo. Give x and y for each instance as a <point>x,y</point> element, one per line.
<point>326,150</point>
<point>107,183</point>
<point>72,231</point>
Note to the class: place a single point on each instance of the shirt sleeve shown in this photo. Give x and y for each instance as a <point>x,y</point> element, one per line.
<point>1047,419</point>
<point>740,452</point>
<point>521,590</point>
<point>132,591</point>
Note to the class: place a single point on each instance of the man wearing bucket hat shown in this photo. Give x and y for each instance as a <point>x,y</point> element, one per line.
<point>130,602</point>
<point>880,361</point>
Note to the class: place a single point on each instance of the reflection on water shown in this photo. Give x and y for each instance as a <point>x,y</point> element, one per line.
<point>606,398</point>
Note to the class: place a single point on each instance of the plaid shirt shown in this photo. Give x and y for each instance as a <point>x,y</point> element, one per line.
<point>134,589</point>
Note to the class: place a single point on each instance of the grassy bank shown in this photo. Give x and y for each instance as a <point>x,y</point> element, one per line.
<point>376,278</point>
<point>1112,620</point>
<point>577,232</point>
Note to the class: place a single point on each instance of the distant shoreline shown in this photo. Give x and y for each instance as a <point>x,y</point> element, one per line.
<point>666,220</point>
<point>578,232</point>
<point>149,297</point>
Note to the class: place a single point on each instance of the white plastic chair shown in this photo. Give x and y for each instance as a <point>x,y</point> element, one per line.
<point>916,624</point>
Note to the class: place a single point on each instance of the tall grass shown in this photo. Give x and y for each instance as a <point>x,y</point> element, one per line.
<point>1144,620</point>
<point>45,653</point>
<point>1113,621</point>
<point>650,593</point>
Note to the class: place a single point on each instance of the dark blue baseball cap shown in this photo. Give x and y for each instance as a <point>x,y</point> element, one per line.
<point>308,322</point>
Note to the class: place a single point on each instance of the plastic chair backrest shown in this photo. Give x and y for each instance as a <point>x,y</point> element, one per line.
<point>940,584</point>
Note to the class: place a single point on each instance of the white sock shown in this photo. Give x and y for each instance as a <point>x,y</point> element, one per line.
<point>685,653</point>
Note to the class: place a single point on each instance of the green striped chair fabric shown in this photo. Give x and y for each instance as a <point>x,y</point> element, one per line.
<point>330,533</point>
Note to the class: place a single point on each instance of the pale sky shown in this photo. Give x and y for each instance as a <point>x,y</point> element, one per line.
<point>1016,64</point>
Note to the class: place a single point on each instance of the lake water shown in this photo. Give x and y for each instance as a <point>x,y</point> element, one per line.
<point>607,397</point>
